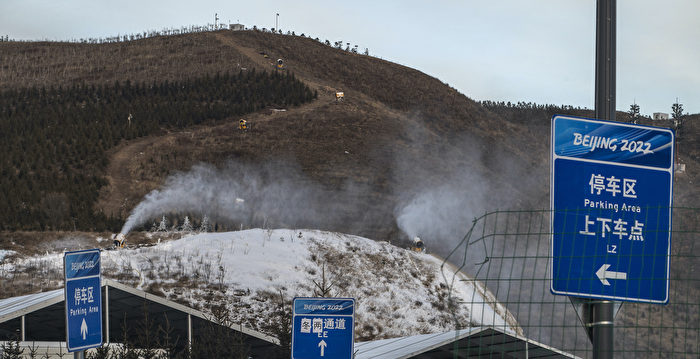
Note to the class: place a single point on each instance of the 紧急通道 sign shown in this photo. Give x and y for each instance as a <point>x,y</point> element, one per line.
<point>323,328</point>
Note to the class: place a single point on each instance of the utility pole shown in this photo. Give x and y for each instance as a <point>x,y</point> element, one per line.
<point>277,17</point>
<point>600,316</point>
<point>605,60</point>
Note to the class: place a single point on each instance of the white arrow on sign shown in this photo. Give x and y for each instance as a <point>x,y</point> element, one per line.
<point>83,329</point>
<point>604,274</point>
<point>323,346</point>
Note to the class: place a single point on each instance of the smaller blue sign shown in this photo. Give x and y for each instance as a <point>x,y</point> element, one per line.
<point>83,298</point>
<point>323,328</point>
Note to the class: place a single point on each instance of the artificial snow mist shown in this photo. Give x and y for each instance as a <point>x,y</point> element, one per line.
<point>274,194</point>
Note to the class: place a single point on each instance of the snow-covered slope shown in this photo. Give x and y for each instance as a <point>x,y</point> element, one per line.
<point>256,272</point>
<point>4,253</point>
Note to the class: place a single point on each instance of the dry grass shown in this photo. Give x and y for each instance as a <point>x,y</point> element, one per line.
<point>392,114</point>
<point>159,58</point>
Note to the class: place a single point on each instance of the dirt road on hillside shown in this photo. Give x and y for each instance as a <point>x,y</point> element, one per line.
<point>135,169</point>
<point>124,183</point>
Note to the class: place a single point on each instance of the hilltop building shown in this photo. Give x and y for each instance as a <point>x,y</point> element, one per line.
<point>660,116</point>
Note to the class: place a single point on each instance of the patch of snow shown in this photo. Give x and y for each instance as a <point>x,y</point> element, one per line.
<point>398,292</point>
<point>4,253</point>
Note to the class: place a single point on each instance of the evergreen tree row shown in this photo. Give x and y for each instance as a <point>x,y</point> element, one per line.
<point>55,139</point>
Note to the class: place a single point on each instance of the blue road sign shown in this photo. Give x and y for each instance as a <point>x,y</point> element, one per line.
<point>611,195</point>
<point>323,328</point>
<point>83,298</point>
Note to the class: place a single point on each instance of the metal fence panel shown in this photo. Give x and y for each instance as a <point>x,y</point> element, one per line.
<point>510,252</point>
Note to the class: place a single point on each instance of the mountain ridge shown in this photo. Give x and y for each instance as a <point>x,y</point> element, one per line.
<point>397,134</point>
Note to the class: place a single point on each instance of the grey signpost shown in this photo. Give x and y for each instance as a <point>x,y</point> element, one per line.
<point>602,316</point>
<point>611,199</point>
<point>612,186</point>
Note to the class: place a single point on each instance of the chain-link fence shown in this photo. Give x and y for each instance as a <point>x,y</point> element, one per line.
<point>511,253</point>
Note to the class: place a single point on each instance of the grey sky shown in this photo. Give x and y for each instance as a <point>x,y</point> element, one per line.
<point>511,50</point>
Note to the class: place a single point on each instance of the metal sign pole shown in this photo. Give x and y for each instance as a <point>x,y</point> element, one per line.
<point>601,323</point>
<point>601,315</point>
<point>605,60</point>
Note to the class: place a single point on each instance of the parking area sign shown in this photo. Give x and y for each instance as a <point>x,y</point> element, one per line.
<point>83,297</point>
<point>611,195</point>
<point>323,328</point>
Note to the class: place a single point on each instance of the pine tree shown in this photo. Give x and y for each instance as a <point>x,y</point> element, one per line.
<point>206,226</point>
<point>11,350</point>
<point>163,226</point>
<point>678,117</point>
<point>677,113</point>
<point>634,112</point>
<point>186,225</point>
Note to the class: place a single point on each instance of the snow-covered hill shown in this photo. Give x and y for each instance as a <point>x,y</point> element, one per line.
<point>254,273</point>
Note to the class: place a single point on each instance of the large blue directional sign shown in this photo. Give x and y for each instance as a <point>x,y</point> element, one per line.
<point>611,197</point>
<point>323,328</point>
<point>83,298</point>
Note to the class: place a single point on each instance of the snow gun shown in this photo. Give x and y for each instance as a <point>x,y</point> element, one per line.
<point>119,240</point>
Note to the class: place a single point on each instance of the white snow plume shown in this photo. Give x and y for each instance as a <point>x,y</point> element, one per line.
<point>450,184</point>
<point>274,194</point>
<point>440,215</point>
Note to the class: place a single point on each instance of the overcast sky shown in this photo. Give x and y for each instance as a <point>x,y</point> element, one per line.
<point>511,50</point>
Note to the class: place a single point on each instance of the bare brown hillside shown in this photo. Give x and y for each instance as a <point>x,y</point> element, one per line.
<point>400,137</point>
<point>26,64</point>
<point>393,118</point>
<point>397,133</point>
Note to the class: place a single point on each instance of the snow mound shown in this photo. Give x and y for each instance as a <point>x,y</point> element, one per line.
<point>398,292</point>
<point>254,274</point>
